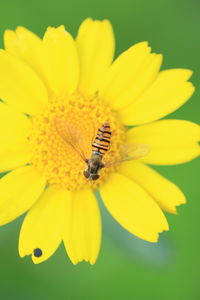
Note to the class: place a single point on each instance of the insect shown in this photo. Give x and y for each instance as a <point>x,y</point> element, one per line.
<point>37,252</point>
<point>100,145</point>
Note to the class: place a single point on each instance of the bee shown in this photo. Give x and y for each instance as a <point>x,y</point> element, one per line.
<point>99,147</point>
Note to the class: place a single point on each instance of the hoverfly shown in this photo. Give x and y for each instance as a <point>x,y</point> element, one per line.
<point>100,145</point>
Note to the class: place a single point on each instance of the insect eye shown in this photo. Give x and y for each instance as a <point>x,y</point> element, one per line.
<point>94,176</point>
<point>86,174</point>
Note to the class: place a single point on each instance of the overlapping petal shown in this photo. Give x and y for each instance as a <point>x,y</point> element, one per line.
<point>163,191</point>
<point>171,141</point>
<point>11,159</point>
<point>133,208</point>
<point>168,92</point>
<point>60,61</point>
<point>95,43</point>
<point>27,46</point>
<point>43,225</point>
<point>20,189</point>
<point>82,232</point>
<point>14,150</point>
<point>131,73</point>
<point>20,86</point>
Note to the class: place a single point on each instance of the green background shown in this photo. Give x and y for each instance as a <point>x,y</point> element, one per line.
<point>127,268</point>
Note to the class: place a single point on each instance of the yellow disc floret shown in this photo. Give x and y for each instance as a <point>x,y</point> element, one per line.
<point>54,156</point>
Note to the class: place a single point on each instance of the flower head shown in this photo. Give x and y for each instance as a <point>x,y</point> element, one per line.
<point>57,93</point>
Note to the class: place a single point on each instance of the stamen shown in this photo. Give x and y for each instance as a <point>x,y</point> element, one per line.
<point>61,164</point>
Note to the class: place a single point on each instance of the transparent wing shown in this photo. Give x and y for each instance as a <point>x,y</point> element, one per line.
<point>135,151</point>
<point>130,152</point>
<point>71,136</point>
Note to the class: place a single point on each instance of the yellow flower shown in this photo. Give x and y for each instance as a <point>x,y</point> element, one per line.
<point>76,81</point>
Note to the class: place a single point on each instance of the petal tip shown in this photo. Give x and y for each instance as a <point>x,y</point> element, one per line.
<point>35,260</point>
<point>165,228</point>
<point>8,32</point>
<point>92,262</point>
<point>175,212</point>
<point>192,87</point>
<point>190,73</point>
<point>21,29</point>
<point>21,254</point>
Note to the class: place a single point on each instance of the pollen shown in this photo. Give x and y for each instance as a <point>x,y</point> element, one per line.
<point>55,157</point>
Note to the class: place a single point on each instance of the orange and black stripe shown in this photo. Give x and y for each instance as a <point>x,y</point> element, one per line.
<point>102,141</point>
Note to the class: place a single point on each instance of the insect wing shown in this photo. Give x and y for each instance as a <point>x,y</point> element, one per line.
<point>71,136</point>
<point>130,152</point>
<point>135,151</point>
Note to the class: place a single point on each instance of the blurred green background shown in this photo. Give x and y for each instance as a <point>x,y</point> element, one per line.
<point>127,268</point>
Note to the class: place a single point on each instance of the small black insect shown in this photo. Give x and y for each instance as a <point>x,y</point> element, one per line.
<point>37,252</point>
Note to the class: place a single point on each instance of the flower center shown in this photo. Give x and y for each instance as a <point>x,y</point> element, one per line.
<point>53,155</point>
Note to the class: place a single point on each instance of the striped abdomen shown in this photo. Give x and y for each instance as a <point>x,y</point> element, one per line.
<point>102,141</point>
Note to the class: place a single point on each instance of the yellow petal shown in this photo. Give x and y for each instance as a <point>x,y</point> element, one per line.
<point>11,159</point>
<point>95,43</point>
<point>20,86</point>
<point>43,225</point>
<point>133,208</point>
<point>60,60</point>
<point>82,234</point>
<point>14,127</point>
<point>144,79</point>
<point>14,149</point>
<point>167,93</point>
<point>19,190</point>
<point>171,141</point>
<point>122,74</point>
<point>163,191</point>
<point>25,45</point>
